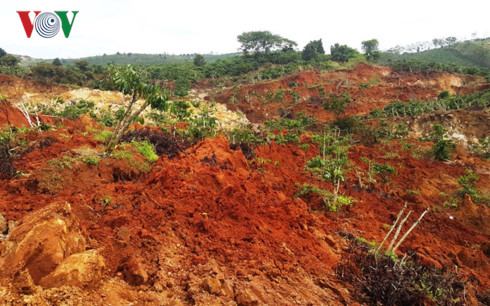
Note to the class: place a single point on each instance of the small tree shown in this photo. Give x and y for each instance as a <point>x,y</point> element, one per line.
<point>57,62</point>
<point>2,52</point>
<point>443,146</point>
<point>82,65</point>
<point>371,51</point>
<point>128,81</point>
<point>342,53</point>
<point>312,49</point>
<point>199,60</point>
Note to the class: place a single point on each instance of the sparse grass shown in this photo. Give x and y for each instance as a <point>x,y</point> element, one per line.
<point>102,136</point>
<point>65,162</point>
<point>146,149</point>
<point>327,197</point>
<point>94,161</point>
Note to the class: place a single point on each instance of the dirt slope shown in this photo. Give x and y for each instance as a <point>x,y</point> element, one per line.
<point>210,226</point>
<point>368,86</point>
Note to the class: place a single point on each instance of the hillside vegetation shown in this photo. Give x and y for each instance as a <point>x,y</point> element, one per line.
<point>468,53</point>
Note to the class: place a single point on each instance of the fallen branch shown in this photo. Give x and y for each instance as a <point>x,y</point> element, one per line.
<point>391,249</point>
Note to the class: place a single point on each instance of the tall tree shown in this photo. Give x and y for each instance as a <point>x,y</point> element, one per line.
<point>371,51</point>
<point>263,41</point>
<point>199,60</point>
<point>2,52</point>
<point>57,62</point>
<point>312,49</point>
<point>342,53</point>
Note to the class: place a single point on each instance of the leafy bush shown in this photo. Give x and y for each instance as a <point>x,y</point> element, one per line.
<point>348,124</point>
<point>336,102</point>
<point>385,170</point>
<point>467,183</point>
<point>442,149</point>
<point>7,168</point>
<point>181,109</point>
<point>443,95</point>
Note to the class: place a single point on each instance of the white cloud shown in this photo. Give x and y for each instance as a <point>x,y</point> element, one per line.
<point>190,26</point>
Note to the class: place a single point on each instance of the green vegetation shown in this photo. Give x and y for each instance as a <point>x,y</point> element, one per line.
<point>313,50</point>
<point>94,161</point>
<point>129,82</point>
<point>467,183</point>
<point>332,164</point>
<point>326,196</point>
<point>468,54</point>
<point>385,170</point>
<point>371,51</point>
<point>342,53</point>
<point>146,149</point>
<point>103,136</point>
<point>263,41</point>
<point>398,108</point>
<point>443,146</point>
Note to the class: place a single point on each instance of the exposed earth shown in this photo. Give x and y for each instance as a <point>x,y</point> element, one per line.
<point>210,225</point>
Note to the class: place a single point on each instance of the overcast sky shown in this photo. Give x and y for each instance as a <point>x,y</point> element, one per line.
<point>204,26</point>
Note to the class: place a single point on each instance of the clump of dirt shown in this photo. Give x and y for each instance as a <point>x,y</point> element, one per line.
<point>169,144</point>
<point>9,115</point>
<point>7,168</point>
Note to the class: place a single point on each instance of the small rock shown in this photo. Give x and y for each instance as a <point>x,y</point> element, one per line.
<point>158,287</point>
<point>227,288</point>
<point>82,270</point>
<point>212,285</point>
<point>23,283</point>
<point>134,273</point>
<point>247,297</point>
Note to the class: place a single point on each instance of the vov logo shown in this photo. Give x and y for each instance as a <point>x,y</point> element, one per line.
<point>47,24</point>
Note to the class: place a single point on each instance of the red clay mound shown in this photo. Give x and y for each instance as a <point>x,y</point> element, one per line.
<point>10,115</point>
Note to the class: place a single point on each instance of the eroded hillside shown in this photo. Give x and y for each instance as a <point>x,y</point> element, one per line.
<point>220,221</point>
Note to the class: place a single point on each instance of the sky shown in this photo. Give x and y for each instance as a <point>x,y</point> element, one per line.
<point>205,26</point>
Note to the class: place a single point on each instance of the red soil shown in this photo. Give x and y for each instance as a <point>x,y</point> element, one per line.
<point>385,86</point>
<point>209,209</point>
<point>209,226</point>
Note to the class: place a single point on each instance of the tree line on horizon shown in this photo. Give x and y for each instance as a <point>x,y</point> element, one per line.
<point>270,55</point>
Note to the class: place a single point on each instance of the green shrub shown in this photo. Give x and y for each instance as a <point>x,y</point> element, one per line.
<point>442,149</point>
<point>146,149</point>
<point>385,170</point>
<point>443,95</point>
<point>467,183</point>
